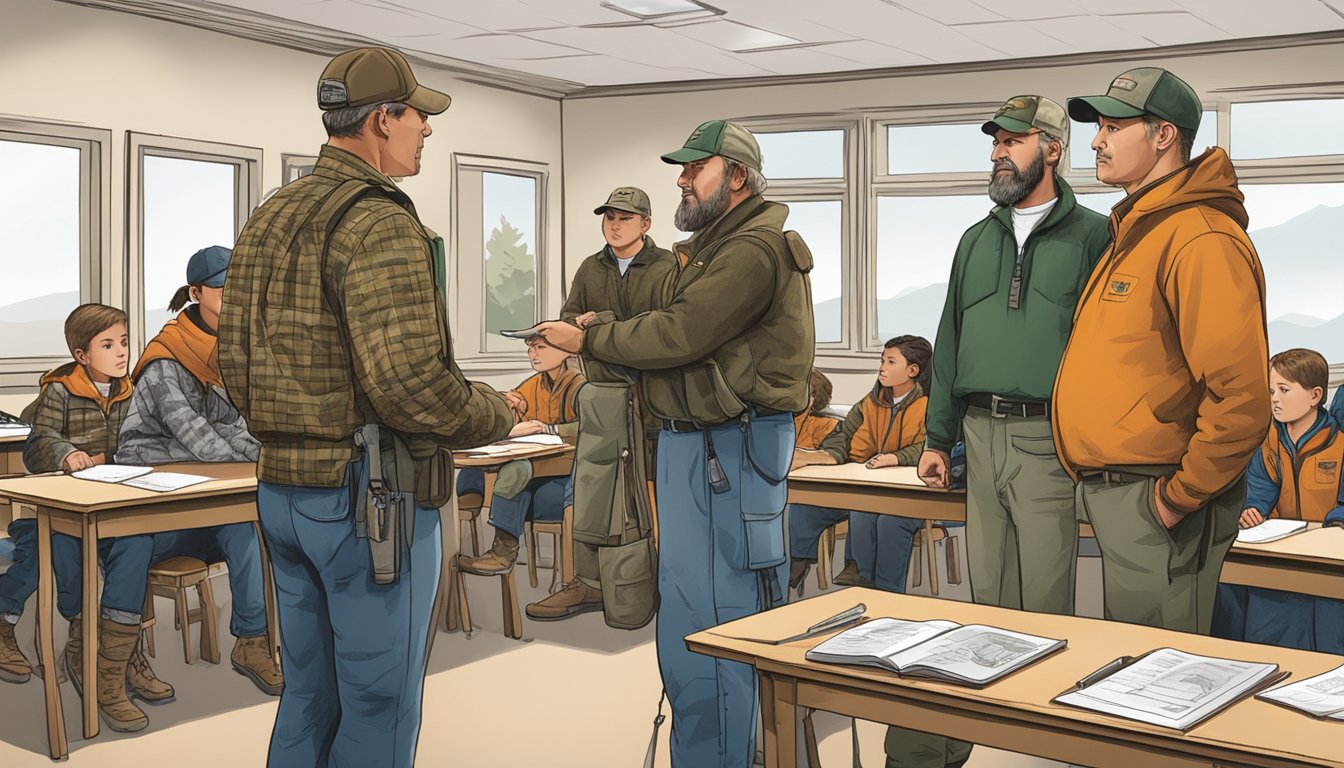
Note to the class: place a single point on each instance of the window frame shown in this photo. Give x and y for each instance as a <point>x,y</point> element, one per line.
<point>95,194</point>
<point>479,356</point>
<point>247,195</point>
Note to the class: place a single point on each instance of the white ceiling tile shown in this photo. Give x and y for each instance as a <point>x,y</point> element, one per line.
<point>1169,28</point>
<point>577,13</point>
<point>869,54</point>
<point>773,18</point>
<point>1035,9</point>
<point>1092,32</point>
<point>639,43</point>
<point>1337,5</point>
<point>950,11</point>
<point>507,48</point>
<point>1281,17</point>
<point>1019,38</point>
<point>798,61</point>
<point>604,70</point>
<point>897,27</point>
<point>1110,7</point>
<point>732,36</point>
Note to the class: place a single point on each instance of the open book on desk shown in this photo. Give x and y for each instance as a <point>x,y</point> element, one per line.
<point>144,478</point>
<point>1320,696</point>
<point>1272,529</point>
<point>1170,688</point>
<point>970,654</point>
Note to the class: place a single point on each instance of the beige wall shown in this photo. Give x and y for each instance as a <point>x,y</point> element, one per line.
<point>120,72</point>
<point>617,140</point>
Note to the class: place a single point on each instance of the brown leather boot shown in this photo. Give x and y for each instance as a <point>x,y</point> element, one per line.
<point>14,666</point>
<point>498,559</point>
<point>72,658</point>
<point>142,683</point>
<point>797,572</point>
<point>252,659</point>
<point>116,643</point>
<point>849,576</point>
<point>574,597</point>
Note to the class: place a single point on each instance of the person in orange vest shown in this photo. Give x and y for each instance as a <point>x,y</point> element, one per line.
<point>1296,475</point>
<point>885,430</point>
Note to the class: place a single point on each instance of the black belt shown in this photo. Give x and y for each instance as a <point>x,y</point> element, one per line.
<point>1113,476</point>
<point>679,425</point>
<point>1000,407</point>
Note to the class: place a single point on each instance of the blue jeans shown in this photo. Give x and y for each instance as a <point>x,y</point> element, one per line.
<point>237,546</point>
<point>353,651</point>
<point>542,499</point>
<point>806,522</point>
<point>719,560</point>
<point>1294,621</point>
<point>881,546</point>
<point>125,572</point>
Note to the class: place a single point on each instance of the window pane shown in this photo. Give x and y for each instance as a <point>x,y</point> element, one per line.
<point>1081,135</point>
<point>1101,202</point>
<point>802,154</point>
<point>916,239</point>
<point>509,231</point>
<point>189,205</point>
<point>1295,228</point>
<point>39,247</point>
<point>820,225</point>
<point>960,147</point>
<point>1287,129</point>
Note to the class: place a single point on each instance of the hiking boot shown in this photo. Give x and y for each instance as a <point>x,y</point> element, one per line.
<point>14,666</point>
<point>849,576</point>
<point>116,643</point>
<point>498,559</point>
<point>573,598</point>
<point>142,683</point>
<point>252,659</point>
<point>72,658</point>
<point>797,572</point>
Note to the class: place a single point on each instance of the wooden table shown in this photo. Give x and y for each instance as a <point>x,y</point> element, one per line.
<point>1015,713</point>
<point>91,510</point>
<point>1310,563</point>
<point>11,463</point>
<point>884,491</point>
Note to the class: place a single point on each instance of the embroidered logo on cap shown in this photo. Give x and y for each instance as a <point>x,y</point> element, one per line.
<point>1012,105</point>
<point>332,93</point>
<point>1124,83</point>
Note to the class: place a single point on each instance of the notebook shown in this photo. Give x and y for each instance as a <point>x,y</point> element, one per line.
<point>1320,696</point>
<point>970,654</point>
<point>1272,529</point>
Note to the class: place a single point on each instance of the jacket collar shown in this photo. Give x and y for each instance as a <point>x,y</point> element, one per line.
<point>75,378</point>
<point>726,225</point>
<point>1065,202</point>
<point>338,164</point>
<point>647,255</point>
<point>1323,423</point>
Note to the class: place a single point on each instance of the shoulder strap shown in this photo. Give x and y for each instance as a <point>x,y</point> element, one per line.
<point>792,243</point>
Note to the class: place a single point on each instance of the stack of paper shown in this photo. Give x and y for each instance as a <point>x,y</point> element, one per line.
<point>1270,530</point>
<point>144,478</point>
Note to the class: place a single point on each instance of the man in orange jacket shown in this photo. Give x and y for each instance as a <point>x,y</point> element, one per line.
<point>1162,395</point>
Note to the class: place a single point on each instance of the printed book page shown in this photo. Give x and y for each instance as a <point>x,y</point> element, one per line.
<point>876,640</point>
<point>112,473</point>
<point>1171,688</point>
<point>1321,696</point>
<point>1272,529</point>
<point>165,481</point>
<point>537,440</point>
<point>975,653</point>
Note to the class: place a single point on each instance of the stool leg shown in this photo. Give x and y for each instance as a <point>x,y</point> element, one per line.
<point>929,546</point>
<point>917,558</point>
<point>147,620</point>
<point>825,556</point>
<point>182,619</point>
<point>531,555</point>
<point>512,619</point>
<point>462,602</point>
<point>953,562</point>
<point>205,594</point>
<point>567,547</point>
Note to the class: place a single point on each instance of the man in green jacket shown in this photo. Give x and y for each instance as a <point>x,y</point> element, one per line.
<point>620,281</point>
<point>724,365</point>
<point>333,318</point>
<point>1016,277</point>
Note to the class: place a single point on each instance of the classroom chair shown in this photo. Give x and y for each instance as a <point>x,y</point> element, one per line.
<point>459,609</point>
<point>172,578</point>
<point>562,557</point>
<point>826,551</point>
<point>949,540</point>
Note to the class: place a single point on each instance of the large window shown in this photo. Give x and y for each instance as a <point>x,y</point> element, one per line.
<point>51,233</point>
<point>499,230</point>
<point>186,195</point>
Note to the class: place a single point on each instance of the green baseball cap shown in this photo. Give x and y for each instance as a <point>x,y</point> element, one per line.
<point>1146,90</point>
<point>366,76</point>
<point>719,137</point>
<point>628,199</point>
<point>1020,114</point>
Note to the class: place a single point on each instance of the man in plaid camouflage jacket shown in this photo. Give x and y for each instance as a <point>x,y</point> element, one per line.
<point>313,343</point>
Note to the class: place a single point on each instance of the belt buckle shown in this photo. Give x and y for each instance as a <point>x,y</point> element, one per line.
<point>994,412</point>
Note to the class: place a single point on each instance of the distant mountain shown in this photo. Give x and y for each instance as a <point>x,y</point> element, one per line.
<point>53,306</point>
<point>1326,338</point>
<point>913,310</point>
<point>1306,321</point>
<point>1304,264</point>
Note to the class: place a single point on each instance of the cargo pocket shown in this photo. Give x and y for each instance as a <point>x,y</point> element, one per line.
<point>323,505</point>
<point>629,575</point>
<point>769,448</point>
<point>709,399</point>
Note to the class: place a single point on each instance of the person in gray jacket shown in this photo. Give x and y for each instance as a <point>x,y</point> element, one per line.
<point>180,412</point>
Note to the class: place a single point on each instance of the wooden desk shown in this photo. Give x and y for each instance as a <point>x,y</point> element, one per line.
<point>1015,713</point>
<point>884,491</point>
<point>1311,563</point>
<point>90,510</point>
<point>11,463</point>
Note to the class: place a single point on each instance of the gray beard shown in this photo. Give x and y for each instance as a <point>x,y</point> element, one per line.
<point>693,217</point>
<point>1013,188</point>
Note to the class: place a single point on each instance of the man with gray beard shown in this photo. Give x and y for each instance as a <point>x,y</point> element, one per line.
<point>1016,277</point>
<point>724,366</point>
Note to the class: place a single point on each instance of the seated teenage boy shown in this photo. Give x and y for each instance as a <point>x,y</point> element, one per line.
<point>546,404</point>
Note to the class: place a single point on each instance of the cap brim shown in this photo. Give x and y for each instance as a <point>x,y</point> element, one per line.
<point>1086,109</point>
<point>686,155</point>
<point>1005,123</point>
<point>216,280</point>
<point>601,209</point>
<point>428,100</point>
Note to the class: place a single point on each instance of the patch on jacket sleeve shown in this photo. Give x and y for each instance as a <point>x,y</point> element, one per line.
<point>1119,287</point>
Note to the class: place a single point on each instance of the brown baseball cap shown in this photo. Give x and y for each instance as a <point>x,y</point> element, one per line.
<point>366,76</point>
<point>628,199</point>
